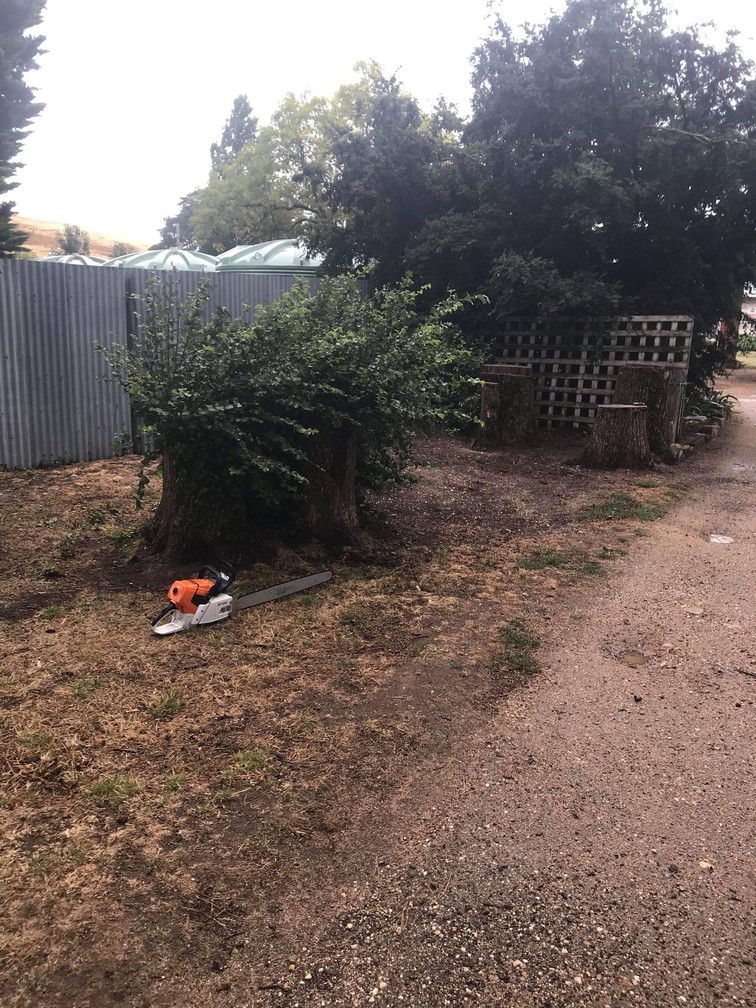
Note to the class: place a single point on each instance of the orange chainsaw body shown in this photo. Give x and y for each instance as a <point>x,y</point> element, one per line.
<point>188,594</point>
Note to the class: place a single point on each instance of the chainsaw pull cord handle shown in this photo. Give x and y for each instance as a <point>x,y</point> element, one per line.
<point>221,580</point>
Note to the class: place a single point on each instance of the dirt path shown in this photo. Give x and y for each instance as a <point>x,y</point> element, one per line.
<point>593,845</point>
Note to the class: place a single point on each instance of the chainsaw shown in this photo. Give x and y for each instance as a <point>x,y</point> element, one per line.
<point>205,599</point>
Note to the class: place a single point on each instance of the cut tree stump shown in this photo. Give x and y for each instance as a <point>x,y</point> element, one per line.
<point>619,439</point>
<point>489,435</point>
<point>660,387</point>
<point>508,405</point>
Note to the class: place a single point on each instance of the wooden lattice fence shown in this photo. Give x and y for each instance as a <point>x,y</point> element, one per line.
<point>576,369</point>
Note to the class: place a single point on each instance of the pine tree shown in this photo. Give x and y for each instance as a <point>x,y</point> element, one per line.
<point>240,128</point>
<point>18,53</point>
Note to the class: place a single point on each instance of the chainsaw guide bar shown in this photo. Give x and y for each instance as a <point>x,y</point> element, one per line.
<point>203,600</point>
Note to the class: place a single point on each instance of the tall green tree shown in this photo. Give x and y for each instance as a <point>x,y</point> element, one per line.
<point>615,167</point>
<point>18,52</point>
<point>274,186</point>
<point>389,168</point>
<point>240,129</point>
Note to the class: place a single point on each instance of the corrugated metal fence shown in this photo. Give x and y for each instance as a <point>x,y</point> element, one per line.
<point>57,402</point>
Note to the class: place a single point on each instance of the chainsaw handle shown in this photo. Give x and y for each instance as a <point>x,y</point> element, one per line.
<point>163,612</point>
<point>221,580</point>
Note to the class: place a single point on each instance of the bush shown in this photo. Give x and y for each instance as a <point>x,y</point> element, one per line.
<point>281,424</point>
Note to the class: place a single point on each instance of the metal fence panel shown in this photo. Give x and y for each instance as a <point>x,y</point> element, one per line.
<point>57,401</point>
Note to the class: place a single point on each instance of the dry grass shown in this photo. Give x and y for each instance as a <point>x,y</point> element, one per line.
<point>159,785</point>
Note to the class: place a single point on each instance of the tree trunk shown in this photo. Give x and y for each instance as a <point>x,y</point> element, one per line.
<point>729,334</point>
<point>332,491</point>
<point>619,439</point>
<point>164,534</point>
<point>647,384</point>
<point>507,408</point>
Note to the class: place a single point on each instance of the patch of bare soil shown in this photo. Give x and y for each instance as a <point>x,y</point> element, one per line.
<point>159,794</point>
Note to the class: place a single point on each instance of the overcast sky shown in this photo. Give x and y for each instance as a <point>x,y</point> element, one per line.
<point>137,90</point>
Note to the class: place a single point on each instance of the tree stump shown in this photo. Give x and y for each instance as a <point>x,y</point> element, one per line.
<point>619,439</point>
<point>507,407</point>
<point>660,387</point>
<point>489,435</point>
<point>647,384</point>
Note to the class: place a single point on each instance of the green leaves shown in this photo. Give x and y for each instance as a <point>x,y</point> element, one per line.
<point>239,410</point>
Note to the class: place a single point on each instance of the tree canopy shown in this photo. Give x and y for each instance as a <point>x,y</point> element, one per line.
<point>18,52</point>
<point>608,165</point>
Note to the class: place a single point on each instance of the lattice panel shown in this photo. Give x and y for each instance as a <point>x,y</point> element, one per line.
<point>574,373</point>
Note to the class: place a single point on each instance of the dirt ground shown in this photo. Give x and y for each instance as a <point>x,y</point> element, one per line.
<point>435,781</point>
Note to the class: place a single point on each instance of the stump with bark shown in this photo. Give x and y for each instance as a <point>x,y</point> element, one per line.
<point>660,388</point>
<point>619,439</point>
<point>508,405</point>
<point>332,485</point>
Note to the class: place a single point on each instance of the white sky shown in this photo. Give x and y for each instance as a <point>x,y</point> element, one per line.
<point>137,90</point>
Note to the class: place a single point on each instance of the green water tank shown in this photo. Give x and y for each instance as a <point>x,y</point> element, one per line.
<point>166,259</point>
<point>284,256</point>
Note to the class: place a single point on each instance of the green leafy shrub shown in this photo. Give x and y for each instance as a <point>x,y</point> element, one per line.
<point>281,424</point>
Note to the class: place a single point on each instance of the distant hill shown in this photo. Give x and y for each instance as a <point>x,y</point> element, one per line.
<point>43,237</point>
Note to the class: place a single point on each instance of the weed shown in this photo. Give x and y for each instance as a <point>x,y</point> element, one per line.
<point>122,444</point>
<point>221,796</point>
<point>75,854</point>
<point>647,483</point>
<point>542,559</point>
<point>35,740</point>
<point>253,761</point>
<point>622,506</point>
<point>114,789</point>
<point>50,574</point>
<point>68,544</point>
<point>357,615</point>
<point>84,687</point>
<point>307,600</point>
<point>98,515</point>
<point>593,567</point>
<point>167,706</point>
<point>174,783</point>
<point>121,539</point>
<point>51,612</point>
<point>519,644</point>
<point>518,661</point>
<point>515,636</point>
<point>41,862</point>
